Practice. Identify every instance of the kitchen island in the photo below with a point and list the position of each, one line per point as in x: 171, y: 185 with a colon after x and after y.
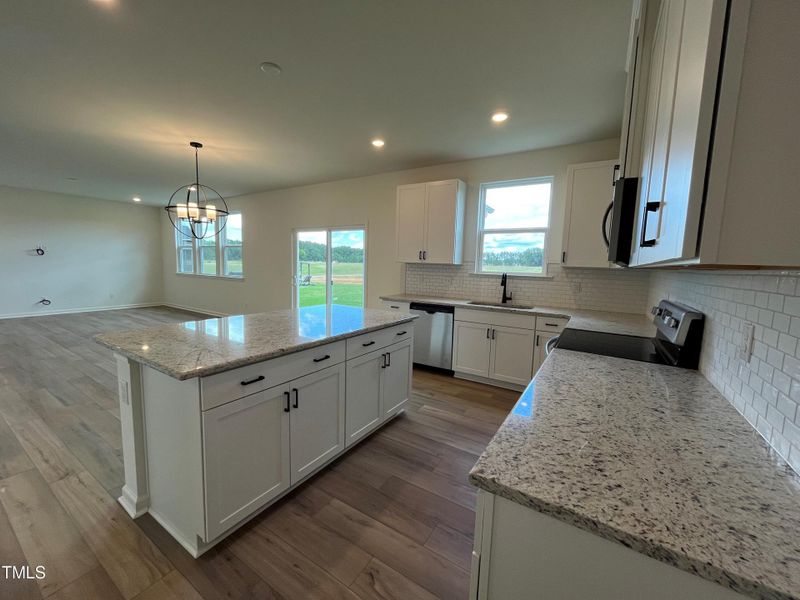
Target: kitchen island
x: 221, y: 417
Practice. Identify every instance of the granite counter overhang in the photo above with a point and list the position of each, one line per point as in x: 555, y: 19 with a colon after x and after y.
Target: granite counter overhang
x: 206, y: 347
x: 590, y: 320
x: 654, y: 458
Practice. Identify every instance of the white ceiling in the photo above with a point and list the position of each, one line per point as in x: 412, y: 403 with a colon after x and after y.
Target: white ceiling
x: 110, y: 92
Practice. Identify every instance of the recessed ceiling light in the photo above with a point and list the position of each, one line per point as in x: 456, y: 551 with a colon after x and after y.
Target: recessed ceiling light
x: 137, y: 199
x: 500, y: 116
x: 270, y: 68
x: 378, y: 143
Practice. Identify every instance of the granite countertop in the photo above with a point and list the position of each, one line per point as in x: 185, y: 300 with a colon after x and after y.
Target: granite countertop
x: 200, y: 348
x: 652, y: 457
x: 592, y: 320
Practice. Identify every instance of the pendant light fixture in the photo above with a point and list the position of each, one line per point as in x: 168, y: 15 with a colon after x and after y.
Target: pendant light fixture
x: 201, y: 212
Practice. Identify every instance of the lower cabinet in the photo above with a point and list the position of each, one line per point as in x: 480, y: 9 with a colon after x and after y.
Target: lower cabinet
x: 258, y: 446
x: 246, y: 455
x: 498, y: 352
x: 316, y: 420
x: 378, y: 386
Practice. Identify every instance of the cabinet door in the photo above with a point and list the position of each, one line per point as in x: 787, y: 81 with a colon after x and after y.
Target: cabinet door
x: 444, y: 222
x: 396, y: 379
x: 471, y: 348
x: 246, y: 457
x: 512, y: 355
x: 589, y: 192
x: 410, y: 222
x: 677, y: 128
x: 539, y: 353
x: 317, y: 419
x: 363, y: 412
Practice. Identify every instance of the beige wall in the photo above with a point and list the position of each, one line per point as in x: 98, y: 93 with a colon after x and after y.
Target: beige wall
x: 99, y: 254
x: 270, y: 218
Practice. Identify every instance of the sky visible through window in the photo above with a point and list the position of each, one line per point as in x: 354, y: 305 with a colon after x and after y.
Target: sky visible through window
x: 516, y: 207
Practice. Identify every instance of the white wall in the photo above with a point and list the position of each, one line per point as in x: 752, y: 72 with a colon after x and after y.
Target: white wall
x: 270, y: 218
x: 766, y: 390
x: 99, y: 254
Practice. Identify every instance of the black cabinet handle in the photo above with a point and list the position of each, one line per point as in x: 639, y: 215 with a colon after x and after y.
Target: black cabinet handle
x: 393, y: 306
x: 420, y: 254
x: 256, y: 380
x: 648, y: 208
x: 488, y: 332
x: 424, y: 255
x: 372, y: 343
x: 551, y: 324
x: 388, y: 359
x: 383, y: 361
x: 296, y: 397
x: 286, y: 408
x: 402, y: 332
x: 326, y: 357
x: 493, y: 332
x: 537, y: 341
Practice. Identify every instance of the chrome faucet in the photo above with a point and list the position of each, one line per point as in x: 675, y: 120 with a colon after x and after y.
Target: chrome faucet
x: 504, y: 284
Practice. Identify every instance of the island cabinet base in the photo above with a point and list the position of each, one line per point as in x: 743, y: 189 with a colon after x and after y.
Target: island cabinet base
x: 204, y: 456
x: 522, y: 553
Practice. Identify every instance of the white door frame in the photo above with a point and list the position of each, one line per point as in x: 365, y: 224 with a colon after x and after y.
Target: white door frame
x: 328, y: 261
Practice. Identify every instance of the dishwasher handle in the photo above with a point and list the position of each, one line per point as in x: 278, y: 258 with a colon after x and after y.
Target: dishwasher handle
x: 431, y: 309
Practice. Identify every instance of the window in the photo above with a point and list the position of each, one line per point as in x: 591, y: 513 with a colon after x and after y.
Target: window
x: 220, y: 255
x: 512, y: 226
x: 329, y: 267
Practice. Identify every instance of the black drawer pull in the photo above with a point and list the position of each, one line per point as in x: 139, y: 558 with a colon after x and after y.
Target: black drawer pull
x: 288, y: 395
x: 256, y: 380
x: 393, y: 306
x: 402, y: 332
x: 326, y: 357
x: 372, y: 343
x: 551, y: 324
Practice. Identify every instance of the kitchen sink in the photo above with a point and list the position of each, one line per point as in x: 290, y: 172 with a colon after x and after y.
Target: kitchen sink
x: 501, y: 305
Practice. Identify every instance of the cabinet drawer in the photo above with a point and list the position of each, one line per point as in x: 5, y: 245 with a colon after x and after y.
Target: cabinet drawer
x: 551, y: 324
x: 496, y: 317
x: 398, y: 306
x: 361, y: 344
x: 218, y: 389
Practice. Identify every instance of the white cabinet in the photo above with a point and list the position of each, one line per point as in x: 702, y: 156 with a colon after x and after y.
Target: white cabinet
x: 430, y: 222
x: 539, y: 352
x: 511, y: 357
x: 378, y: 387
x: 395, y: 305
x: 316, y: 420
x: 363, y: 395
x: 471, y: 348
x: 589, y: 194
x: 494, y: 346
x: 396, y: 379
x: 246, y: 452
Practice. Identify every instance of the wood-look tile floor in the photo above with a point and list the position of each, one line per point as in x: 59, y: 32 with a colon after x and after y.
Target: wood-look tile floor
x: 393, y: 518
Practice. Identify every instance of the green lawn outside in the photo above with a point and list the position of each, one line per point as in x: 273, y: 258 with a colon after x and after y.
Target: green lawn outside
x: 318, y: 269
x: 347, y: 294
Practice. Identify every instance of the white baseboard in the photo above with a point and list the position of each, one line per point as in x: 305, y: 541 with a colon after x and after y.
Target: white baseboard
x: 67, y: 311
x: 202, y: 311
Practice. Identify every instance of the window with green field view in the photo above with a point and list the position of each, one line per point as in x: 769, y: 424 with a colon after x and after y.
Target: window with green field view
x: 513, y: 223
x: 329, y: 267
x: 220, y: 255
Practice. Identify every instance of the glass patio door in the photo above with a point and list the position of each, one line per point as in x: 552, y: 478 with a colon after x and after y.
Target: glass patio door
x: 329, y: 267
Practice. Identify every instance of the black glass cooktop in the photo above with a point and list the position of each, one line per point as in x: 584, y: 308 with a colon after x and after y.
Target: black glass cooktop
x: 610, y: 344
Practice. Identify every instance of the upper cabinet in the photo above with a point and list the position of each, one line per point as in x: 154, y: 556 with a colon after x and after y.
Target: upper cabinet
x: 710, y: 132
x: 590, y: 188
x: 430, y: 222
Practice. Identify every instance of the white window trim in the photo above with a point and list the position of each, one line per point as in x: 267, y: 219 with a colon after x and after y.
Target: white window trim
x: 197, y: 262
x: 482, y: 215
x: 328, y: 261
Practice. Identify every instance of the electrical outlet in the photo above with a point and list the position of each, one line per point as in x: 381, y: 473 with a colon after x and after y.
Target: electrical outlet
x: 746, y: 349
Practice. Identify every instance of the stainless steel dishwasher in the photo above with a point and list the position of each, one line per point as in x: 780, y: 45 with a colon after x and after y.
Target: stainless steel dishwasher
x: 433, y: 335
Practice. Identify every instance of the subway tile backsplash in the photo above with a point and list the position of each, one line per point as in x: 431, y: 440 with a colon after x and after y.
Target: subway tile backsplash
x: 614, y: 290
x: 766, y: 390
